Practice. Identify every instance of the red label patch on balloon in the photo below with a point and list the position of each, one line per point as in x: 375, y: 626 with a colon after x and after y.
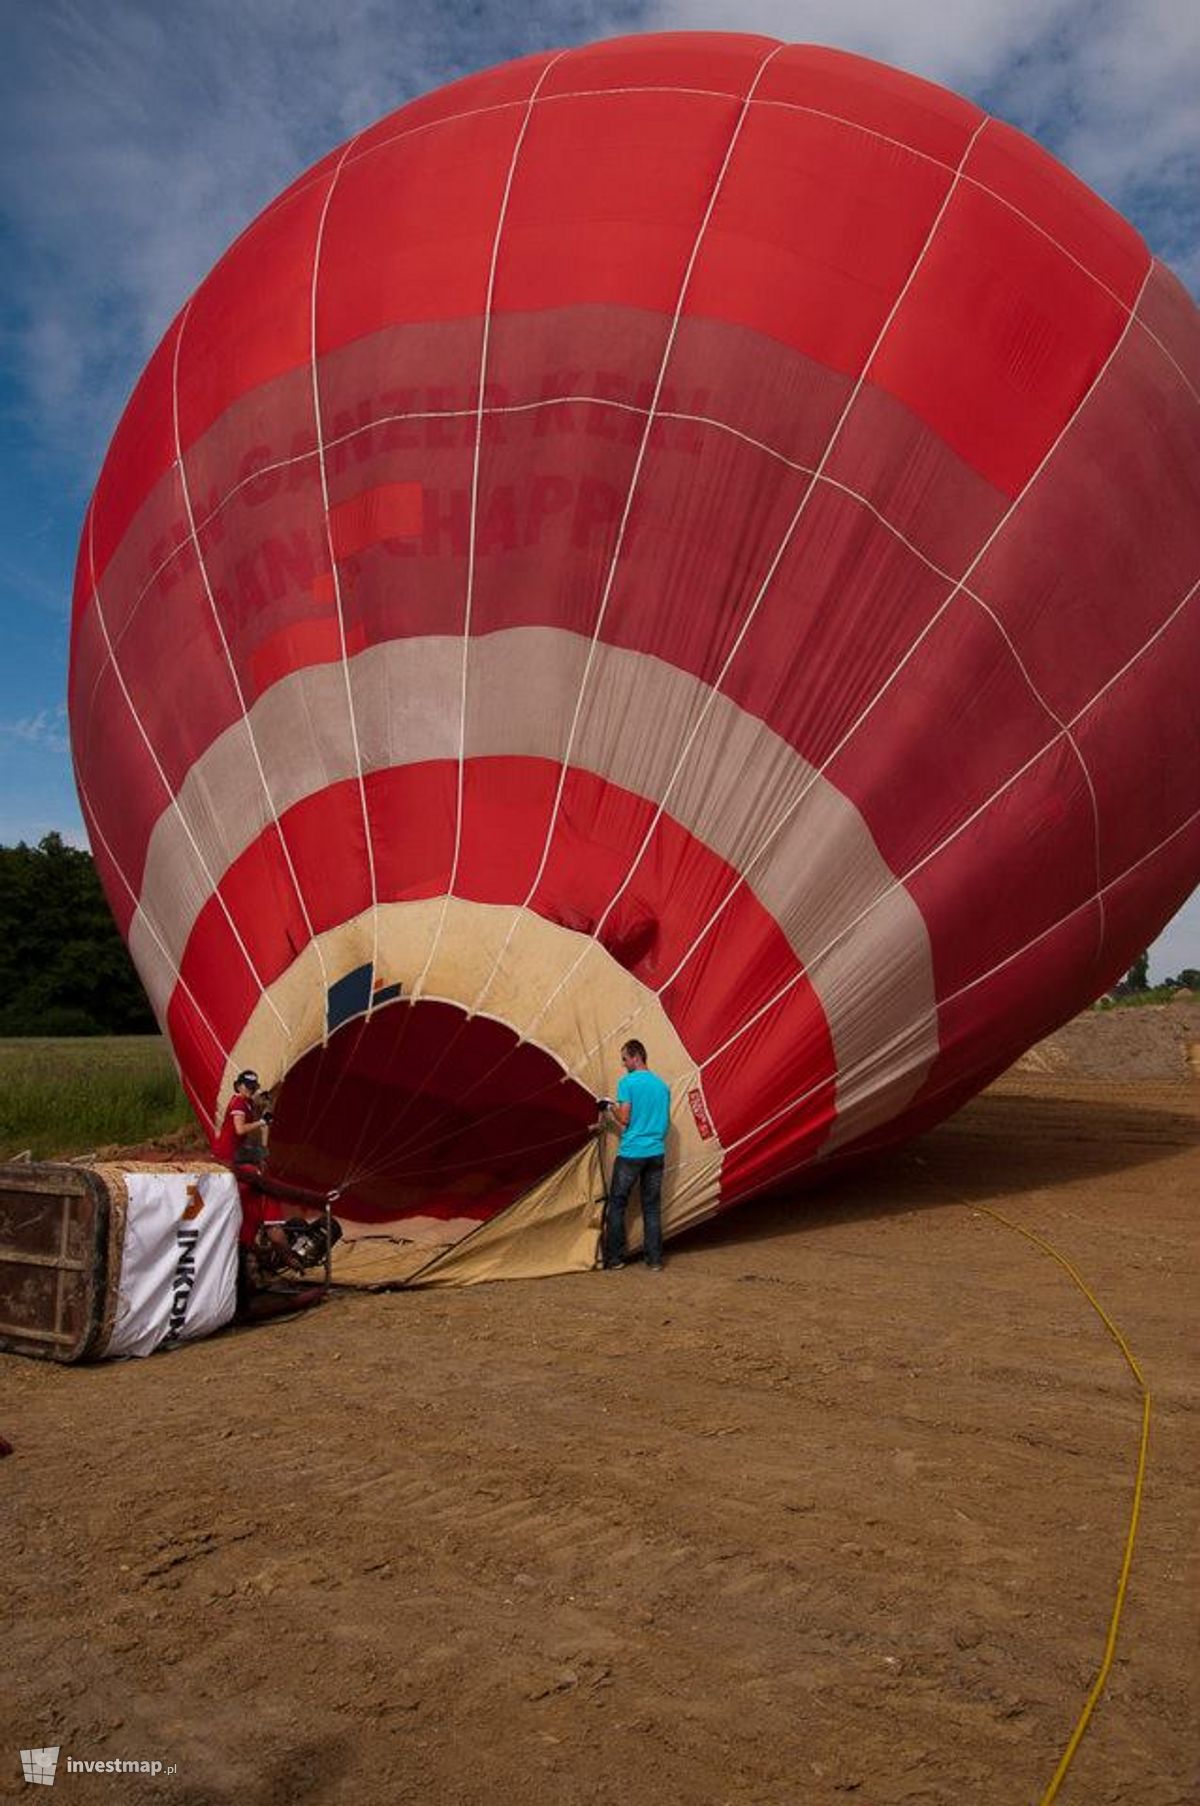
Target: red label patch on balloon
x: 390, y: 511
x: 700, y: 1112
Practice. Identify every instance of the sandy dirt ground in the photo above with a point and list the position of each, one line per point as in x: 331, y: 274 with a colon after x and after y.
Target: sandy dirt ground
x: 831, y: 1510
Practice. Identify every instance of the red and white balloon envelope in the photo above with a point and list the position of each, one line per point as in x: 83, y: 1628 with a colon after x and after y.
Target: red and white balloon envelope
x: 689, y: 538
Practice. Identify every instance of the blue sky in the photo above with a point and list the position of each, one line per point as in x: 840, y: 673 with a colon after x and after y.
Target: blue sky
x: 137, y: 137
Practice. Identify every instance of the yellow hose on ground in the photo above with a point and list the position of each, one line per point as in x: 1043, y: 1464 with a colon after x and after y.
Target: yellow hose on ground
x: 1110, y: 1646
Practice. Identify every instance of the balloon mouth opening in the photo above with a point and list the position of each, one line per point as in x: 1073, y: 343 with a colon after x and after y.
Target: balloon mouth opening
x: 427, y: 1120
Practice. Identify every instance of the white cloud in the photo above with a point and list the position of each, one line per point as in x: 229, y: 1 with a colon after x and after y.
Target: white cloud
x: 137, y: 140
x: 963, y: 44
x: 43, y: 728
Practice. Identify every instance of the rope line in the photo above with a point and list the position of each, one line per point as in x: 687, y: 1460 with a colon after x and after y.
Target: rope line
x: 417, y: 987
x: 174, y: 802
x: 198, y: 552
x: 397, y: 1159
x: 473, y: 534
x: 1114, y: 1622
x: 851, y: 731
x: 387, y: 1140
x: 780, y: 105
x: 318, y: 419
x: 564, y: 765
x: 715, y: 688
x: 631, y: 495
x: 1072, y: 742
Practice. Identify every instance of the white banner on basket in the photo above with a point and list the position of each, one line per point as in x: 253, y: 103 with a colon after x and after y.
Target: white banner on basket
x: 178, y: 1260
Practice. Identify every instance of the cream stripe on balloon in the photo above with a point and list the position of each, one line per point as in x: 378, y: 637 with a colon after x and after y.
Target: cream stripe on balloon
x: 743, y: 751
x: 614, y: 562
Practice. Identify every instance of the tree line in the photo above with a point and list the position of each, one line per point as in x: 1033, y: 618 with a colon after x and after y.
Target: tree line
x: 1137, y: 979
x: 64, y: 969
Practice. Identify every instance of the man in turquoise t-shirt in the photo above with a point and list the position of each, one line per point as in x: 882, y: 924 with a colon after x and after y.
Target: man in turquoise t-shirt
x: 643, y: 1111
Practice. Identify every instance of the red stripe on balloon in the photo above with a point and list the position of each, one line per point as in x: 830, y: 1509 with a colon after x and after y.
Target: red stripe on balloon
x: 201, y: 1062
x: 675, y: 890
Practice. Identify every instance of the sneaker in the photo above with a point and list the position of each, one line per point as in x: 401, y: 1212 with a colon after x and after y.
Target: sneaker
x: 654, y: 1266
x: 613, y: 1266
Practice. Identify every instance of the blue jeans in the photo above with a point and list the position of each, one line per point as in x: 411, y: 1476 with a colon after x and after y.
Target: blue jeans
x: 648, y: 1175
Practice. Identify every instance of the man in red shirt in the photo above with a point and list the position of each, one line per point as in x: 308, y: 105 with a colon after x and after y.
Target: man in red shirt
x: 241, y: 1144
x: 240, y: 1124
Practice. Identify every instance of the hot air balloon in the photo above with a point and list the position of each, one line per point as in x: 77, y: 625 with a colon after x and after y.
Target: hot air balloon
x: 692, y: 538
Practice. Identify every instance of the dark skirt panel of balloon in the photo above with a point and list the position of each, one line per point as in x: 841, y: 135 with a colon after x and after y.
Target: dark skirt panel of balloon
x: 420, y: 1110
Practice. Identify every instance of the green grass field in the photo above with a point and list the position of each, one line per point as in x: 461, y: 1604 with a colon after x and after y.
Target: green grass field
x: 66, y: 1097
